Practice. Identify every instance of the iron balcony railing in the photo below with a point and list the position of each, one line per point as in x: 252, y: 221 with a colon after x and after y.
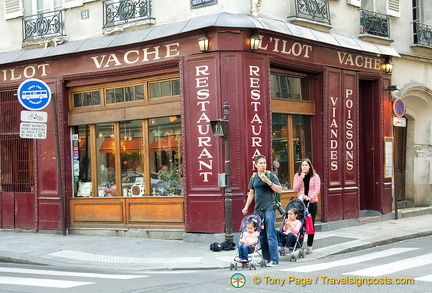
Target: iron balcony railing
x: 43, y: 25
x: 422, y: 34
x: 315, y: 10
x: 118, y: 12
x: 374, y: 23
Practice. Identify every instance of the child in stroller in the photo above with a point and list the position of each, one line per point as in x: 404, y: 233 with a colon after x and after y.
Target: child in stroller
x: 247, y: 241
x: 249, y: 232
x: 290, y: 230
x: 291, y: 233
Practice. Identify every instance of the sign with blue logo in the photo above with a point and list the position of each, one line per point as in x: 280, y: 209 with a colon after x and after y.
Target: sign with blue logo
x: 34, y: 94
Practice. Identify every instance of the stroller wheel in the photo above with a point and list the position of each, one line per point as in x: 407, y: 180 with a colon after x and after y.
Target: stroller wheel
x: 231, y: 266
x: 293, y: 258
x: 235, y: 266
x: 301, y: 253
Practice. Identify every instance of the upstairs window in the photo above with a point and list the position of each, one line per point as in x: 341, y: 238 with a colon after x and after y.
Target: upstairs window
x: 138, y: 91
x: 422, y: 22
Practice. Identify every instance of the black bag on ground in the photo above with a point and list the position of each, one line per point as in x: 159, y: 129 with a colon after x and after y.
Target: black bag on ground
x: 228, y: 245
x: 215, y: 246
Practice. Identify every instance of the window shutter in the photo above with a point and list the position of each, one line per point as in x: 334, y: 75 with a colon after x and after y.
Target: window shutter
x: 13, y: 9
x: 72, y: 3
x: 393, y: 8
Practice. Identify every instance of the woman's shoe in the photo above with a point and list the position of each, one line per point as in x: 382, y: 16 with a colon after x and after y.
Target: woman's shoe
x: 308, y: 250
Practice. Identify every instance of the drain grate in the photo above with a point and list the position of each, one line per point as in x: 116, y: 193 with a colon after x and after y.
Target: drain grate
x: 329, y: 241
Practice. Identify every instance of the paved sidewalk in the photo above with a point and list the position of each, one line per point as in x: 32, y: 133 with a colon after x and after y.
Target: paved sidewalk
x: 135, y: 254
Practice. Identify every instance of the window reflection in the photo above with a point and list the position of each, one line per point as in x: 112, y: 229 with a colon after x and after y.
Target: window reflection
x: 301, y: 138
x: 290, y: 88
x: 281, y: 159
x: 105, y: 161
x: 131, y: 157
x: 165, y: 156
x: 82, y: 161
x: 291, y: 141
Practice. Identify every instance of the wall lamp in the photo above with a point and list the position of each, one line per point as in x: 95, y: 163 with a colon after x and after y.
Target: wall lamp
x: 255, y: 41
x: 203, y: 42
x: 388, y: 65
x: 393, y: 88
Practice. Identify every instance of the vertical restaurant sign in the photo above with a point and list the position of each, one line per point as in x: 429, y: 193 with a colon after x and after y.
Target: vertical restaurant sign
x: 342, y: 126
x: 350, y: 127
x: 203, y: 108
x: 256, y: 107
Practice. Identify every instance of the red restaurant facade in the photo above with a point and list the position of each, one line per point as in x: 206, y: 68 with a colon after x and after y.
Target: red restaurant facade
x: 135, y: 107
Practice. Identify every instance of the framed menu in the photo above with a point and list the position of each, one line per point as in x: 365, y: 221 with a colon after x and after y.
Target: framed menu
x: 388, y: 157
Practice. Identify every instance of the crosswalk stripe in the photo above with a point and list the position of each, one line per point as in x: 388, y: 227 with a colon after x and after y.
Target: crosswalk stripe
x: 349, y: 261
x: 427, y: 278
x: 42, y: 282
x: 393, y: 267
x: 72, y: 274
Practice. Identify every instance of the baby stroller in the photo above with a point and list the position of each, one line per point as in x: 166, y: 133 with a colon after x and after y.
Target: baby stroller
x: 302, y: 211
x: 253, y: 251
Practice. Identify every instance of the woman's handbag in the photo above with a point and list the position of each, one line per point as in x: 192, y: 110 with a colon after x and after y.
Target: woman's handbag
x: 309, y: 223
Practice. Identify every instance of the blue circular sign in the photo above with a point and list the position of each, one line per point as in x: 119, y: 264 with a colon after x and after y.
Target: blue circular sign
x: 399, y: 107
x: 34, y: 94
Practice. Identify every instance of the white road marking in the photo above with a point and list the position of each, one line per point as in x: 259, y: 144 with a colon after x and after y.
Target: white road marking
x: 349, y: 261
x: 393, y: 267
x: 42, y: 282
x: 72, y: 274
x: 427, y: 278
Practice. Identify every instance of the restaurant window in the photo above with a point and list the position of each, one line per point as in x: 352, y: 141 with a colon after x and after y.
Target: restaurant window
x: 132, y: 157
x: 290, y: 88
x: 139, y: 91
x: 164, y: 89
x: 84, y: 99
x: 163, y: 157
x: 125, y: 94
x: 291, y: 125
x: 291, y: 140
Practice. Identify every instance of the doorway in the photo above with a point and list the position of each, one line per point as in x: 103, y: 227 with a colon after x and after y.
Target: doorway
x: 400, y: 137
x: 369, y: 144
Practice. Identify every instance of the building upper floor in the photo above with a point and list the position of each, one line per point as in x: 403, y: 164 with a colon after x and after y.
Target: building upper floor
x: 405, y: 25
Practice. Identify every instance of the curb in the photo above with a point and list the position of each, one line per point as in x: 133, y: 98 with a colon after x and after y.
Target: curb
x: 7, y: 259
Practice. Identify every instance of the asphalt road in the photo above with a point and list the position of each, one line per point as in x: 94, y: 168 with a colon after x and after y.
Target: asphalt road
x: 399, y: 267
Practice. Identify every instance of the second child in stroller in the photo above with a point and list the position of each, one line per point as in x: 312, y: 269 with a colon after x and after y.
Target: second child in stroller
x: 291, y: 228
x: 248, y: 241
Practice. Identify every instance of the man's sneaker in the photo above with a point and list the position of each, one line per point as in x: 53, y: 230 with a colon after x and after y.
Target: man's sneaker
x: 273, y: 264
